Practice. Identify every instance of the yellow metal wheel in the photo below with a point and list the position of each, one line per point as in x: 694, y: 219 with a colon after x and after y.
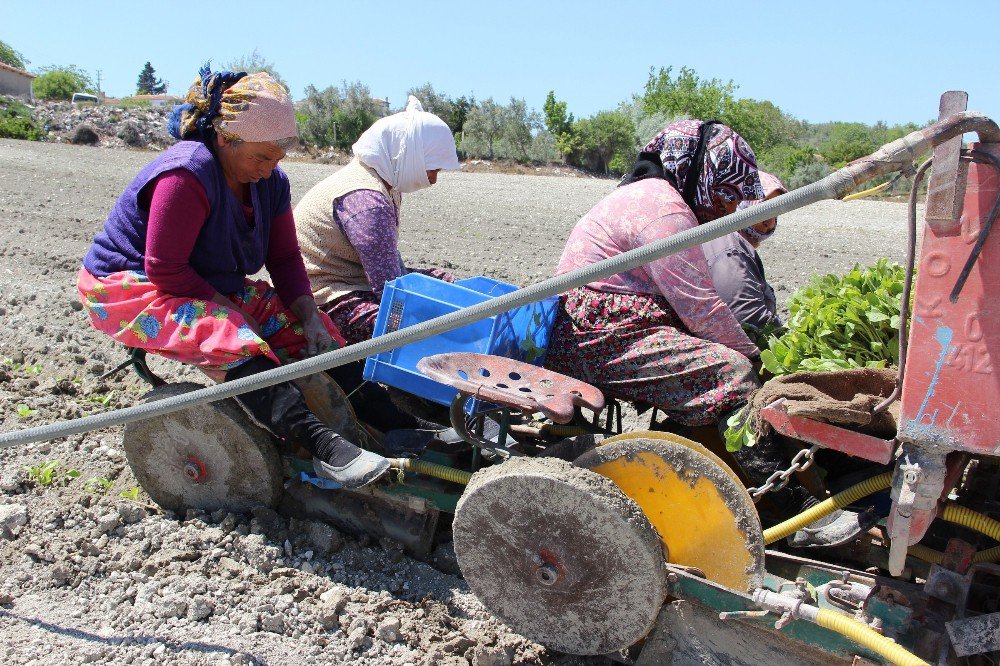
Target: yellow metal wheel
x: 701, y: 511
x: 676, y: 439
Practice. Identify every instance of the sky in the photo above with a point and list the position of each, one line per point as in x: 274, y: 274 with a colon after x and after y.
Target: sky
x: 818, y: 61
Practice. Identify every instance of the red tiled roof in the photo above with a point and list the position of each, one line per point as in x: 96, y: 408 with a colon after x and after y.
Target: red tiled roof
x: 4, y: 65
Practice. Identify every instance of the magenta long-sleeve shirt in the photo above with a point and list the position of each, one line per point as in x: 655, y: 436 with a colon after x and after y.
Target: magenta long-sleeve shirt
x: 178, y: 207
x: 641, y: 213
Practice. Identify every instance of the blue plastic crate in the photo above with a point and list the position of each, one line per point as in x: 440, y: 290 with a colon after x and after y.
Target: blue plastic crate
x: 522, y: 333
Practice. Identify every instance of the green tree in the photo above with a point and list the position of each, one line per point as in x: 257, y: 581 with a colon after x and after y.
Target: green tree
x: 559, y: 123
x: 61, y: 82
x: 519, y: 126
x: 357, y: 113
x: 254, y: 62
x: 606, y: 142
x: 12, y: 57
x: 460, y: 109
x: 336, y: 116
x: 317, y: 116
x: 486, y: 124
x: 147, y: 83
x: 762, y: 124
x: 785, y: 159
x: 847, y: 142
x: 686, y: 94
x: 433, y: 102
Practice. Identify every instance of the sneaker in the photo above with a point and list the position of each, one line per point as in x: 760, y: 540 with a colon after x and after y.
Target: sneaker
x: 836, y: 529
x: 359, y: 472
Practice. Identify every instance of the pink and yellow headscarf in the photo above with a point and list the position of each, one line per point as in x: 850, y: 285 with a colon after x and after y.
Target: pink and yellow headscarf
x: 237, y: 106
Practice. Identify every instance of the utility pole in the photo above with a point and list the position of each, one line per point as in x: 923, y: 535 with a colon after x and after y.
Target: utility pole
x: 100, y: 95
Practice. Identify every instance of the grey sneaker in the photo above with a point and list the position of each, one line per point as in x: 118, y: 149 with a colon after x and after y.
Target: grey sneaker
x: 836, y: 529
x: 361, y: 471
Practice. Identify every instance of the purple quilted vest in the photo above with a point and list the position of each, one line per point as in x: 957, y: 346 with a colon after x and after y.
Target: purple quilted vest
x: 227, y: 249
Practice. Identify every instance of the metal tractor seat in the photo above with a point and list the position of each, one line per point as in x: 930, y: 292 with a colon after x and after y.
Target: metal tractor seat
x: 513, y: 384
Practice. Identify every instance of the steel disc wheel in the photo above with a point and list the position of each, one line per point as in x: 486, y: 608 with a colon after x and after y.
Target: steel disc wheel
x: 210, y: 456
x: 560, y: 555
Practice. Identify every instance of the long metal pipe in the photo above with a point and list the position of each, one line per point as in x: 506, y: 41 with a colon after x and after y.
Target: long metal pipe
x: 891, y: 157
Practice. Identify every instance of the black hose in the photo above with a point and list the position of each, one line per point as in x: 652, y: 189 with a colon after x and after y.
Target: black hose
x: 904, y: 305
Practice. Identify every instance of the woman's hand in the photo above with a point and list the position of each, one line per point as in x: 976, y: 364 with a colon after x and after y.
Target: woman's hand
x: 250, y: 321
x: 318, y: 339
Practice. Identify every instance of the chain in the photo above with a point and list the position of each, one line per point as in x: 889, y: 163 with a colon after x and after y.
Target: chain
x: 802, y: 461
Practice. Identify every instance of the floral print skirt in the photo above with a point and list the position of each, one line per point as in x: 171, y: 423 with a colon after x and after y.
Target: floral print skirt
x: 634, y: 347
x: 129, y: 308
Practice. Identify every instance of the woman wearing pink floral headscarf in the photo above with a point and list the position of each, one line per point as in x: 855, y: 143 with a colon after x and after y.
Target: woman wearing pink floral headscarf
x: 660, y: 333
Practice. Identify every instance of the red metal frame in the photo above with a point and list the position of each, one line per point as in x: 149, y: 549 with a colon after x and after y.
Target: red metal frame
x: 951, y: 391
x: 826, y: 435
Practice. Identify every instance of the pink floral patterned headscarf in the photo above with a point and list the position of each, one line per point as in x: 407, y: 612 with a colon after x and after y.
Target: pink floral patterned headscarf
x: 729, y: 172
x: 239, y: 106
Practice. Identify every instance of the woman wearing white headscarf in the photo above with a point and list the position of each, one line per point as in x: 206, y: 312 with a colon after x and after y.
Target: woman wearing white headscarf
x: 348, y: 224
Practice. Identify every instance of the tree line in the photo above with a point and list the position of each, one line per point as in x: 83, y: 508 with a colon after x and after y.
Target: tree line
x: 797, y: 151
x: 607, y: 142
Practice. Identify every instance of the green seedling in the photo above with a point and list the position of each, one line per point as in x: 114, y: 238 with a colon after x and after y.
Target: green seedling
x: 23, y: 411
x: 35, y: 369
x: 98, y: 485
x: 836, y: 322
x: 841, y: 322
x: 99, y: 399
x: 132, y: 494
x: 51, y: 473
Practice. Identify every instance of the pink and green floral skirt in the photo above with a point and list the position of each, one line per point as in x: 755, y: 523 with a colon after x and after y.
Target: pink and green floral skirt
x: 130, y: 309
x: 634, y: 347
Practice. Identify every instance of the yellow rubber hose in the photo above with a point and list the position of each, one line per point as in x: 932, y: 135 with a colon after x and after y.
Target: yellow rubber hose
x: 867, y: 193
x: 966, y: 517
x: 431, y: 469
x: 926, y: 554
x: 868, y: 637
x: 827, y: 506
x: 988, y: 555
x: 953, y: 513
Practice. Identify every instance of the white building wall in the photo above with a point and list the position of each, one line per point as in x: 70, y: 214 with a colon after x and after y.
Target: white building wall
x: 14, y: 84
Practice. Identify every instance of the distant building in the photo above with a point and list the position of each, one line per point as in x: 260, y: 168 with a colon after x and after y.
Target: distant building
x: 15, y: 82
x: 383, y: 106
x: 159, y: 100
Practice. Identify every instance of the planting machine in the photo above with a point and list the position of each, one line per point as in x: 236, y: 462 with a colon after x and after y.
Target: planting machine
x: 646, y: 545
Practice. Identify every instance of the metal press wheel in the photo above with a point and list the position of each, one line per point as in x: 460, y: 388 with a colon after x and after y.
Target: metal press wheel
x: 209, y: 456
x: 560, y: 555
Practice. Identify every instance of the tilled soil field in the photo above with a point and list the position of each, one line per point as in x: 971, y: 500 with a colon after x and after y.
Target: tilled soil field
x: 92, y: 572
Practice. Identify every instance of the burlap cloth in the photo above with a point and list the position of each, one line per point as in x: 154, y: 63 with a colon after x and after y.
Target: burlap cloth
x: 844, y: 398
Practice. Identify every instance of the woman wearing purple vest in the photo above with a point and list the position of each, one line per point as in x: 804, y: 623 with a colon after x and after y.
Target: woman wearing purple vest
x: 169, y: 271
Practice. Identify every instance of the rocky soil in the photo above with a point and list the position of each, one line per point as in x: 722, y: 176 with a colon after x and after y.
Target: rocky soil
x: 91, y: 572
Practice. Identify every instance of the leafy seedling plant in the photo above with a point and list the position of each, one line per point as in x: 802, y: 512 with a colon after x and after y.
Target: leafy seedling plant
x: 24, y: 411
x: 835, y: 323
x: 100, y: 399
x: 98, y: 485
x: 51, y: 473
x: 132, y: 494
